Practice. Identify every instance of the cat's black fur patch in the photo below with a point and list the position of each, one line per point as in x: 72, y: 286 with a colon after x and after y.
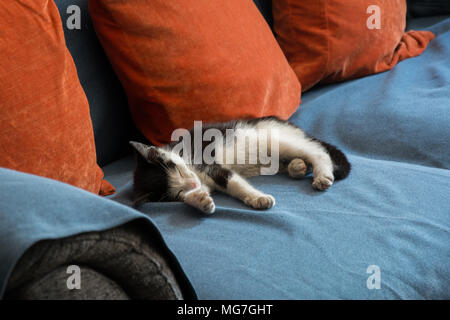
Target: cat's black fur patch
x: 221, y: 126
x: 220, y: 175
x: 340, y: 163
x: 150, y: 181
x: 342, y: 166
x: 273, y: 118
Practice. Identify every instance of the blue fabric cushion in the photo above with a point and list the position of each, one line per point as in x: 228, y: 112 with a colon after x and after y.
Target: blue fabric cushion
x: 34, y: 208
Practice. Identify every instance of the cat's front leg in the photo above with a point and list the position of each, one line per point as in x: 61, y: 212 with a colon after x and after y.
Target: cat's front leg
x: 239, y: 188
x: 230, y: 182
x: 199, y: 198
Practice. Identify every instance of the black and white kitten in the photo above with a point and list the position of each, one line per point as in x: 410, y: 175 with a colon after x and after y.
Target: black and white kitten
x: 163, y: 175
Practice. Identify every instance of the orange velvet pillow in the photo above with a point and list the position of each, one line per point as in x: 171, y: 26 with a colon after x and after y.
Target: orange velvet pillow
x: 181, y: 61
x: 329, y: 41
x: 45, y: 126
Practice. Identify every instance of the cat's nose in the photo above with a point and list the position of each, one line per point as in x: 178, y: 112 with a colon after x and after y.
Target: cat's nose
x: 195, y: 185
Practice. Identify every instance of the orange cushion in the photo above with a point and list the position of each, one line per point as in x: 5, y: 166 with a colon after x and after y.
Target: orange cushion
x: 329, y: 41
x: 181, y: 61
x: 45, y: 126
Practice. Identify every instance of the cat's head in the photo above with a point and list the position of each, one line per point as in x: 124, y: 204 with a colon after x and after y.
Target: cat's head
x: 160, y: 175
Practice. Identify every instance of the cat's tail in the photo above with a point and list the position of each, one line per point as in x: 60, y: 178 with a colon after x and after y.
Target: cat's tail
x: 341, y: 166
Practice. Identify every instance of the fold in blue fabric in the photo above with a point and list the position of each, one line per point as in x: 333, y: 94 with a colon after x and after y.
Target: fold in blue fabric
x: 33, y: 208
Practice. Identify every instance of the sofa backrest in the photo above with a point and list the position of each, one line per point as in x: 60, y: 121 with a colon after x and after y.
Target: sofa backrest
x: 265, y: 7
x: 111, y: 119
x: 113, y: 126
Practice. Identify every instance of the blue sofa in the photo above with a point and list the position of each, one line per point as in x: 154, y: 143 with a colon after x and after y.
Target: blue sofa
x: 389, y: 219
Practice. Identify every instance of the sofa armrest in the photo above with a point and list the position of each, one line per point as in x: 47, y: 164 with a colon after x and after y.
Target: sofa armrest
x: 119, y: 263
x: 46, y: 226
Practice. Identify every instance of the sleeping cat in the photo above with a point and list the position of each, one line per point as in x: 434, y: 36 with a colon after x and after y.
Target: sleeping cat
x: 165, y: 175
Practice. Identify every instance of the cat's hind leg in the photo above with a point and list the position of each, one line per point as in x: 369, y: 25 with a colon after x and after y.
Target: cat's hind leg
x: 297, y: 168
x: 299, y: 146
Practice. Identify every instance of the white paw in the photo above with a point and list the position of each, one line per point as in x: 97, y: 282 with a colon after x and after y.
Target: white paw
x: 322, y: 182
x: 297, y: 168
x: 265, y: 201
x: 201, y: 200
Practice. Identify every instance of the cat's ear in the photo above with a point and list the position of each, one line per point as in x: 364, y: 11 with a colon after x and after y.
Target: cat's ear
x: 149, y: 153
x: 153, y: 154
